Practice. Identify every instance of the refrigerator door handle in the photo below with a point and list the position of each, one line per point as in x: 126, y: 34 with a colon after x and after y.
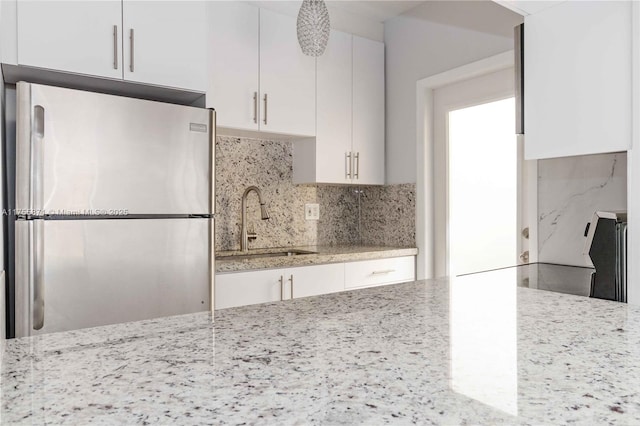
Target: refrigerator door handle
x: 36, y: 273
x: 36, y: 162
x: 212, y: 208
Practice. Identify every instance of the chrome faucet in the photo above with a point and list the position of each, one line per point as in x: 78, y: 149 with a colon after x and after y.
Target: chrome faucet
x: 246, y: 236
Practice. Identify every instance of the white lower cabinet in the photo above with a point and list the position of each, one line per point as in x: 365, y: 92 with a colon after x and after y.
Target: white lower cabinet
x: 369, y: 273
x: 308, y: 281
x: 249, y: 288
x: 272, y: 285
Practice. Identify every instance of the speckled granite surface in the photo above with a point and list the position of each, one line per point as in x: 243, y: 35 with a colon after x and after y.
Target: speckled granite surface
x: 225, y: 261
x: 477, y: 350
x: 369, y: 215
x: 388, y: 215
x: 268, y: 165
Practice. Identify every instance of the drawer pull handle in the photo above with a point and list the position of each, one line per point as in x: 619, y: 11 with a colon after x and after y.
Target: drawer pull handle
x: 291, y: 281
x: 386, y: 271
x: 281, y: 287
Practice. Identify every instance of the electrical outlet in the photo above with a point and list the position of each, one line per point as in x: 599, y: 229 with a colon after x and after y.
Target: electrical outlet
x: 312, y: 211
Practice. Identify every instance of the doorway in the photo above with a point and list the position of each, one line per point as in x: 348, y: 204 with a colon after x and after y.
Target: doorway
x: 478, y: 176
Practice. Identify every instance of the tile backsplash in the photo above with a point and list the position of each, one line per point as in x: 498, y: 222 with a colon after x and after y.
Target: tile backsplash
x: 570, y: 190
x: 369, y: 215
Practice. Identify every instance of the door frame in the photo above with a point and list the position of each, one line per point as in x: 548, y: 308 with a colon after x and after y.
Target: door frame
x: 472, y: 93
x: 425, y: 189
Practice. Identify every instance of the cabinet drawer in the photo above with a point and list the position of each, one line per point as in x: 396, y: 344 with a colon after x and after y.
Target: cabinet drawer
x: 380, y: 271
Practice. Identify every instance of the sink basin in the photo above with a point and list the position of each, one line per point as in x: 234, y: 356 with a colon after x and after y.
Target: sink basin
x: 242, y: 256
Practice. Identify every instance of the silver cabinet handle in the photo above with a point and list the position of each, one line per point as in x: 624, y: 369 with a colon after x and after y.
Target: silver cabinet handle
x: 131, y: 47
x: 115, y: 47
x: 255, y: 107
x: 356, y: 174
x: 519, y: 77
x: 347, y: 165
x: 386, y: 271
x: 265, y: 108
x: 38, y: 274
x: 281, y: 287
x: 291, y: 281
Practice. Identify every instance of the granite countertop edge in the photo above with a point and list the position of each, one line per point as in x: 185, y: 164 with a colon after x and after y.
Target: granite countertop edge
x: 321, y: 255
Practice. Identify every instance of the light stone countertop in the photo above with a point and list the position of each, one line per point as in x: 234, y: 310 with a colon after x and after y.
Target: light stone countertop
x: 225, y: 261
x: 474, y: 350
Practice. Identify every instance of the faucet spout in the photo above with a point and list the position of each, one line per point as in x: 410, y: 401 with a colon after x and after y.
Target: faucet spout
x: 264, y: 214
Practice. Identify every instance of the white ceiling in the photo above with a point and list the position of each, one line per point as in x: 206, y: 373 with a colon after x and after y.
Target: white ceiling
x: 375, y: 10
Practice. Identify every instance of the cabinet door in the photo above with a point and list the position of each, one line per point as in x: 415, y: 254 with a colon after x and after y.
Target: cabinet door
x: 233, y: 64
x: 248, y: 288
x: 368, y: 111
x: 82, y: 37
x: 308, y: 281
x: 333, y: 132
x: 577, y: 71
x: 371, y: 273
x: 287, y: 78
x: 165, y: 43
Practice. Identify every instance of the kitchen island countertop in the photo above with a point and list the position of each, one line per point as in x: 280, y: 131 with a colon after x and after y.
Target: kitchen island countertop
x: 474, y: 350
x: 226, y: 262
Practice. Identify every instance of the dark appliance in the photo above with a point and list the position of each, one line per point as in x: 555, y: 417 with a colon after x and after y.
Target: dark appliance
x: 606, y: 248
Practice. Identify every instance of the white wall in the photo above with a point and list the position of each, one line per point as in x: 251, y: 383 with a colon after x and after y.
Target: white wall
x: 427, y: 40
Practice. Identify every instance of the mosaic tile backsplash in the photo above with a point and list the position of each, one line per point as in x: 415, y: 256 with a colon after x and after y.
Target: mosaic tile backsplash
x: 369, y: 215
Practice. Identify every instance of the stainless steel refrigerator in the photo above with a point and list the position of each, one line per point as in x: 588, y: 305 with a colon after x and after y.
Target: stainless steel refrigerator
x: 114, y: 211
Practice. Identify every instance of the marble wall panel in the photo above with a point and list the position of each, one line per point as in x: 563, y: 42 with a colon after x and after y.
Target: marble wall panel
x: 570, y: 190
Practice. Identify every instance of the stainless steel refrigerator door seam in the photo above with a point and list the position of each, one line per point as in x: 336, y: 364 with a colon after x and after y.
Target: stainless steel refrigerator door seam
x: 115, y: 47
x: 117, y: 217
x: 131, y: 47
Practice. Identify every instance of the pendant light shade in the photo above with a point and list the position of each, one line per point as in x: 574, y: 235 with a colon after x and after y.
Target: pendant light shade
x: 313, y: 27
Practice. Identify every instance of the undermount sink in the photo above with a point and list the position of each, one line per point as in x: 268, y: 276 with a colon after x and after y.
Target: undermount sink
x: 243, y: 255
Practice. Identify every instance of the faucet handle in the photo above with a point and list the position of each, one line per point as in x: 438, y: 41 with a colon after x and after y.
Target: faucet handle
x: 251, y: 233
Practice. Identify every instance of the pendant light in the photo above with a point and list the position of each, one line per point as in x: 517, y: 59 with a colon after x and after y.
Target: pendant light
x: 313, y: 27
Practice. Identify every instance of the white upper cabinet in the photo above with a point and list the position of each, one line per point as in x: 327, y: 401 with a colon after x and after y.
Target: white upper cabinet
x: 368, y: 111
x: 334, y: 121
x: 259, y: 79
x: 155, y: 42
x: 577, y: 74
x: 349, y: 144
x: 287, y: 78
x: 233, y: 64
x: 82, y: 37
x: 165, y: 43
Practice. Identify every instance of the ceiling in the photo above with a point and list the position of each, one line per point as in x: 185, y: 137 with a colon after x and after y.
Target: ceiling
x: 375, y: 10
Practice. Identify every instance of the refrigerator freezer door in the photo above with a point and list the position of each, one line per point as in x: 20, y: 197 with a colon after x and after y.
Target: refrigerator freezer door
x: 85, y: 273
x: 86, y: 153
